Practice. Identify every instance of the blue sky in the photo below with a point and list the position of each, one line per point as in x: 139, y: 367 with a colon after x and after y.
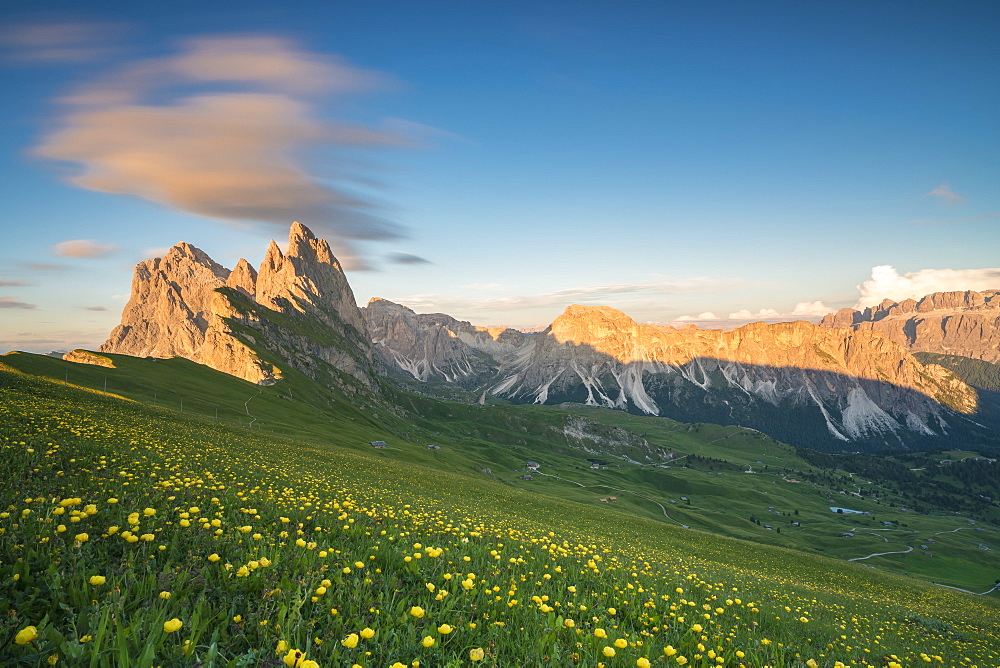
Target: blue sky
x: 707, y: 162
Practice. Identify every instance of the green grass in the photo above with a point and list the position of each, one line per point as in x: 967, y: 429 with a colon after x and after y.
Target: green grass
x: 347, y: 503
x: 501, y: 438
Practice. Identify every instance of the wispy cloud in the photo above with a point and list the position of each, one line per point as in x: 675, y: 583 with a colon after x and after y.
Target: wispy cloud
x: 219, y: 129
x: 87, y: 248
x: 9, y: 283
x: 945, y: 193
x: 811, y: 311
x: 887, y: 283
x: 95, y: 308
x: 10, y: 302
x: 591, y: 295
x: 44, y: 266
x: 59, y: 42
x: 402, y: 257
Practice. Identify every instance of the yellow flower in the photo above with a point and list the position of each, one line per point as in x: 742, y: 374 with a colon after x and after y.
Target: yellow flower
x: 476, y: 654
x: 149, y: 512
x: 172, y: 625
x: 367, y: 633
x: 621, y: 643
x: 53, y: 659
x: 642, y: 662
x: 26, y: 635
x: 682, y: 660
x: 81, y: 538
x: 97, y: 580
x: 350, y: 641
x: 697, y: 628
x: 669, y: 650
x: 612, y: 611
x: 600, y: 633
x: 428, y: 641
x: 281, y: 648
x: 294, y: 658
x: 608, y: 651
x: 417, y: 611
x: 445, y: 629
x: 213, y: 557
x: 164, y: 595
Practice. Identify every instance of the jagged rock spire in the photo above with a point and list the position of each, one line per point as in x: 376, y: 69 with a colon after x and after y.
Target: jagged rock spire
x: 307, y: 278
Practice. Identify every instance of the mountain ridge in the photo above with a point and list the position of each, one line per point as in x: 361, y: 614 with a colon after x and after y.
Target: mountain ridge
x: 825, y: 386
x: 964, y: 323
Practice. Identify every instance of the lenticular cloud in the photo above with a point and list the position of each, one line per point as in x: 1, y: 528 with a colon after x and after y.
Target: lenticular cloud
x: 219, y: 130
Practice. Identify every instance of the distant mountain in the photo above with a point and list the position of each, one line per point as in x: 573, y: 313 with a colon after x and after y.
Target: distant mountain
x: 795, y: 381
x: 949, y: 323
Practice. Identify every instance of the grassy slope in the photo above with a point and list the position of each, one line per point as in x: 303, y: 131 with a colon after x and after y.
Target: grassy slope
x: 502, y: 438
x: 58, y: 442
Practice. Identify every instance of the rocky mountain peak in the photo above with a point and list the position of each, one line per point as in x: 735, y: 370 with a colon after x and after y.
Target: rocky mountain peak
x: 964, y: 322
x: 178, y: 309
x: 243, y: 278
x: 307, y: 278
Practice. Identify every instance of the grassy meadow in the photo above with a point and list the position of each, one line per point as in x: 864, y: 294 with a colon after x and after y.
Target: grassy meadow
x: 141, y: 535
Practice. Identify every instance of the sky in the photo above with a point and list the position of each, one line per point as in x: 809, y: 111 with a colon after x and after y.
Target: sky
x: 692, y: 161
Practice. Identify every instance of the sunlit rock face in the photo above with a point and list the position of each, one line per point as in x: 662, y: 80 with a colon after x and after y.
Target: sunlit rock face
x: 187, y: 305
x: 170, y: 307
x: 847, y: 386
x: 953, y: 323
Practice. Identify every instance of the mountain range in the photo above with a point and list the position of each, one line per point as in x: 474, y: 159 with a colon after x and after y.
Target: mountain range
x: 850, y: 383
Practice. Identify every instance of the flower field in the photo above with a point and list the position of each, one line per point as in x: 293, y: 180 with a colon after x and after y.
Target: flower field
x: 136, y: 536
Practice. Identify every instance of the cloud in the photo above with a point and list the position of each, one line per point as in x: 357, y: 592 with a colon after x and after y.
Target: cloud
x: 59, y: 42
x: 219, y: 130
x: 83, y: 248
x: 44, y: 266
x: 591, y: 294
x: 95, y: 308
x: 811, y: 311
x: 816, y: 309
x: 945, y: 193
x: 887, y: 283
x: 401, y: 257
x: 10, y: 302
x: 6, y: 283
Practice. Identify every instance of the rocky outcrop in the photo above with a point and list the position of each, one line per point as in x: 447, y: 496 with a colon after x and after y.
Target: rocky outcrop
x: 953, y: 323
x: 81, y: 356
x: 187, y: 305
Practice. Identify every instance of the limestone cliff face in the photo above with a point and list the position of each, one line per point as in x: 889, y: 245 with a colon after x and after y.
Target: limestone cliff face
x: 185, y: 304
x: 954, y: 323
x: 436, y: 346
x: 857, y: 386
x: 171, y: 305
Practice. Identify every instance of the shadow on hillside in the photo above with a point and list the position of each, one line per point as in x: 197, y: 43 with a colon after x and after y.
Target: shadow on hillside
x: 811, y: 407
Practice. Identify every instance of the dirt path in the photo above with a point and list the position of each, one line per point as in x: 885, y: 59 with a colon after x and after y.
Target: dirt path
x: 880, y: 554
